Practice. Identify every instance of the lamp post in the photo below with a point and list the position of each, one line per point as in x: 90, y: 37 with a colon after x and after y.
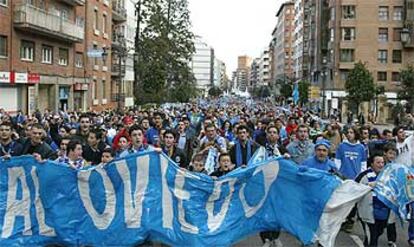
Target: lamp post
x: 405, y: 35
x: 121, y: 54
x: 323, y: 74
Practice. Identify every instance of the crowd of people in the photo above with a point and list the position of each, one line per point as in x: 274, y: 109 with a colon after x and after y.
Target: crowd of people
x: 234, y: 130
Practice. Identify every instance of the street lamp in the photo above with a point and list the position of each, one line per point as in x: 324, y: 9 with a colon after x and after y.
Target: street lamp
x: 405, y: 35
x: 323, y: 74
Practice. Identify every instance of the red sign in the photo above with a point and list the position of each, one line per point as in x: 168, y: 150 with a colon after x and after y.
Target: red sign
x: 33, y: 78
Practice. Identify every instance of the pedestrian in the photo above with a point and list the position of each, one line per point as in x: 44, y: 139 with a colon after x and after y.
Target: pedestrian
x: 301, y: 148
x: 321, y: 159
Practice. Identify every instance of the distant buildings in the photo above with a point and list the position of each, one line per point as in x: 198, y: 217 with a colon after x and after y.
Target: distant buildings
x: 241, y: 77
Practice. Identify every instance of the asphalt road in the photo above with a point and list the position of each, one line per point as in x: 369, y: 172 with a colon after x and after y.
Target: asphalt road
x: 343, y: 239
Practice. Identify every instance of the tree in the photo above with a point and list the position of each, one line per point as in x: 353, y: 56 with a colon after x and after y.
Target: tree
x: 214, y: 92
x: 360, y: 86
x: 303, y: 91
x: 407, y: 86
x: 286, y: 90
x: 165, y: 48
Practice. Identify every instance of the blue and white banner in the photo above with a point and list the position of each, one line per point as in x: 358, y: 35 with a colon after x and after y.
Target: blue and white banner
x: 395, y: 188
x: 148, y: 197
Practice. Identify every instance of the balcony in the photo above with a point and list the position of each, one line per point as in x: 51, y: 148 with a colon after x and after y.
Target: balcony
x: 119, y: 13
x: 115, y: 69
x: 31, y: 19
x: 118, y: 42
x: 74, y: 2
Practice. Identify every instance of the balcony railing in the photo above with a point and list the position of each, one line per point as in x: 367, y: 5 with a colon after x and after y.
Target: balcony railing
x: 28, y: 17
x: 115, y: 69
x: 119, y: 13
x: 74, y: 2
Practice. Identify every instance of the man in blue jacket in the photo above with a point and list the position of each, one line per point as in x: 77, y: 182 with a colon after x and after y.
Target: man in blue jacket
x: 321, y: 159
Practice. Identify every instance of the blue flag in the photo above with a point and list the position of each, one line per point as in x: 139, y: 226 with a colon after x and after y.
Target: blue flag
x: 395, y: 188
x: 148, y: 197
x: 295, y: 93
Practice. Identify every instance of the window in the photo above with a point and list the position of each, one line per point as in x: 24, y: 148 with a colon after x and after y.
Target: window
x: 398, y: 13
x: 396, y: 36
x: 80, y: 21
x: 3, y: 2
x: 348, y: 12
x: 3, y: 46
x: 347, y: 55
x: 397, y: 56
x: 47, y: 54
x: 348, y: 33
x: 382, y: 56
x: 95, y: 19
x: 104, y: 24
x: 95, y: 89
x: 383, y: 35
x: 332, y: 35
x: 383, y: 13
x: 103, y: 89
x: 344, y: 74
x: 95, y: 59
x: 382, y: 76
x: 395, y: 76
x: 63, y: 56
x: 27, y: 50
x: 332, y: 14
x: 79, y: 60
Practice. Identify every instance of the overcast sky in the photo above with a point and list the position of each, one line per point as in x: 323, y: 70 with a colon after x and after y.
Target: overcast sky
x: 234, y: 27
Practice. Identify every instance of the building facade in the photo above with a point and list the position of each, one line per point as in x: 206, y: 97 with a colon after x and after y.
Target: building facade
x: 264, y: 68
x: 41, y: 54
x: 202, y: 65
x: 242, y: 75
x: 368, y: 31
x: 283, y: 35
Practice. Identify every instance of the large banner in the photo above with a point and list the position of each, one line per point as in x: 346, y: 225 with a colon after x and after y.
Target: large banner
x: 395, y: 188
x: 148, y: 197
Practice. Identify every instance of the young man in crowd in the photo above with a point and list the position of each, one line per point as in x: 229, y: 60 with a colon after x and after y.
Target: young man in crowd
x: 153, y: 134
x: 244, y: 148
x: 93, y: 149
x: 137, y: 142
x: 35, y: 145
x: 225, y: 166
x: 301, y: 148
x: 171, y: 150
x: 8, y: 146
x: 74, y: 157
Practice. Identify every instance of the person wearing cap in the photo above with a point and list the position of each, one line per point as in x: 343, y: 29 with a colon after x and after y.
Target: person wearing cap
x: 321, y: 159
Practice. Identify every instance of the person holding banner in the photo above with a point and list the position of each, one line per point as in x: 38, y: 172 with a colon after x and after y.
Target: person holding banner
x: 35, y: 145
x: 321, y: 159
x: 374, y: 214
x: 273, y: 146
x: 74, y: 157
x: 8, y: 147
x: 225, y: 166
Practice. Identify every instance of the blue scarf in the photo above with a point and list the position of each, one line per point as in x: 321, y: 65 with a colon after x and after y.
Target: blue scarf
x: 239, y: 158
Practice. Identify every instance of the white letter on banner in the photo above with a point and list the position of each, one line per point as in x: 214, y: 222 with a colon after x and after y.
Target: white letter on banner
x: 101, y: 221
x: 133, y: 204
x: 270, y: 172
x: 214, y: 221
x: 167, y: 201
x: 44, y: 229
x: 182, y: 195
x: 16, y: 207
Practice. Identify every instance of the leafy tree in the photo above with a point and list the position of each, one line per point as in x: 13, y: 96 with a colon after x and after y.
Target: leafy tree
x: 286, y: 90
x: 214, y: 92
x: 164, y: 50
x: 407, y: 86
x: 359, y: 86
x: 303, y: 91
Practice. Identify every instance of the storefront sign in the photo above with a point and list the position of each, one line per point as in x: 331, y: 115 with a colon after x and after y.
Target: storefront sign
x: 4, y: 77
x: 33, y: 78
x: 20, y: 77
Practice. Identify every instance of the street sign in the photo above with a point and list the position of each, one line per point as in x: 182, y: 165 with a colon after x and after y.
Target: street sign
x: 95, y: 53
x: 314, y: 92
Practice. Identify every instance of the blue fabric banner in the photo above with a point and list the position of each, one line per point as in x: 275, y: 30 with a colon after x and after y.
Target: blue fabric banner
x: 395, y: 188
x: 148, y: 197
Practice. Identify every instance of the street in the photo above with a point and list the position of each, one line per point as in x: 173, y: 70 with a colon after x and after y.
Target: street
x: 343, y: 239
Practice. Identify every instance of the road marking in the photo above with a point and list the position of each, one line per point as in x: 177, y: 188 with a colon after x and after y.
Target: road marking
x: 357, y: 240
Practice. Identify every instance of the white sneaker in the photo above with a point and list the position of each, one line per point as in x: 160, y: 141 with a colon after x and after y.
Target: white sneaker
x: 277, y: 243
x: 267, y: 243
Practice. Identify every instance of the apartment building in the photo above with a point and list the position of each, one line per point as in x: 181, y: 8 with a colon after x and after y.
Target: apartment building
x: 242, y: 77
x: 369, y: 31
x: 202, y: 65
x: 41, y: 54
